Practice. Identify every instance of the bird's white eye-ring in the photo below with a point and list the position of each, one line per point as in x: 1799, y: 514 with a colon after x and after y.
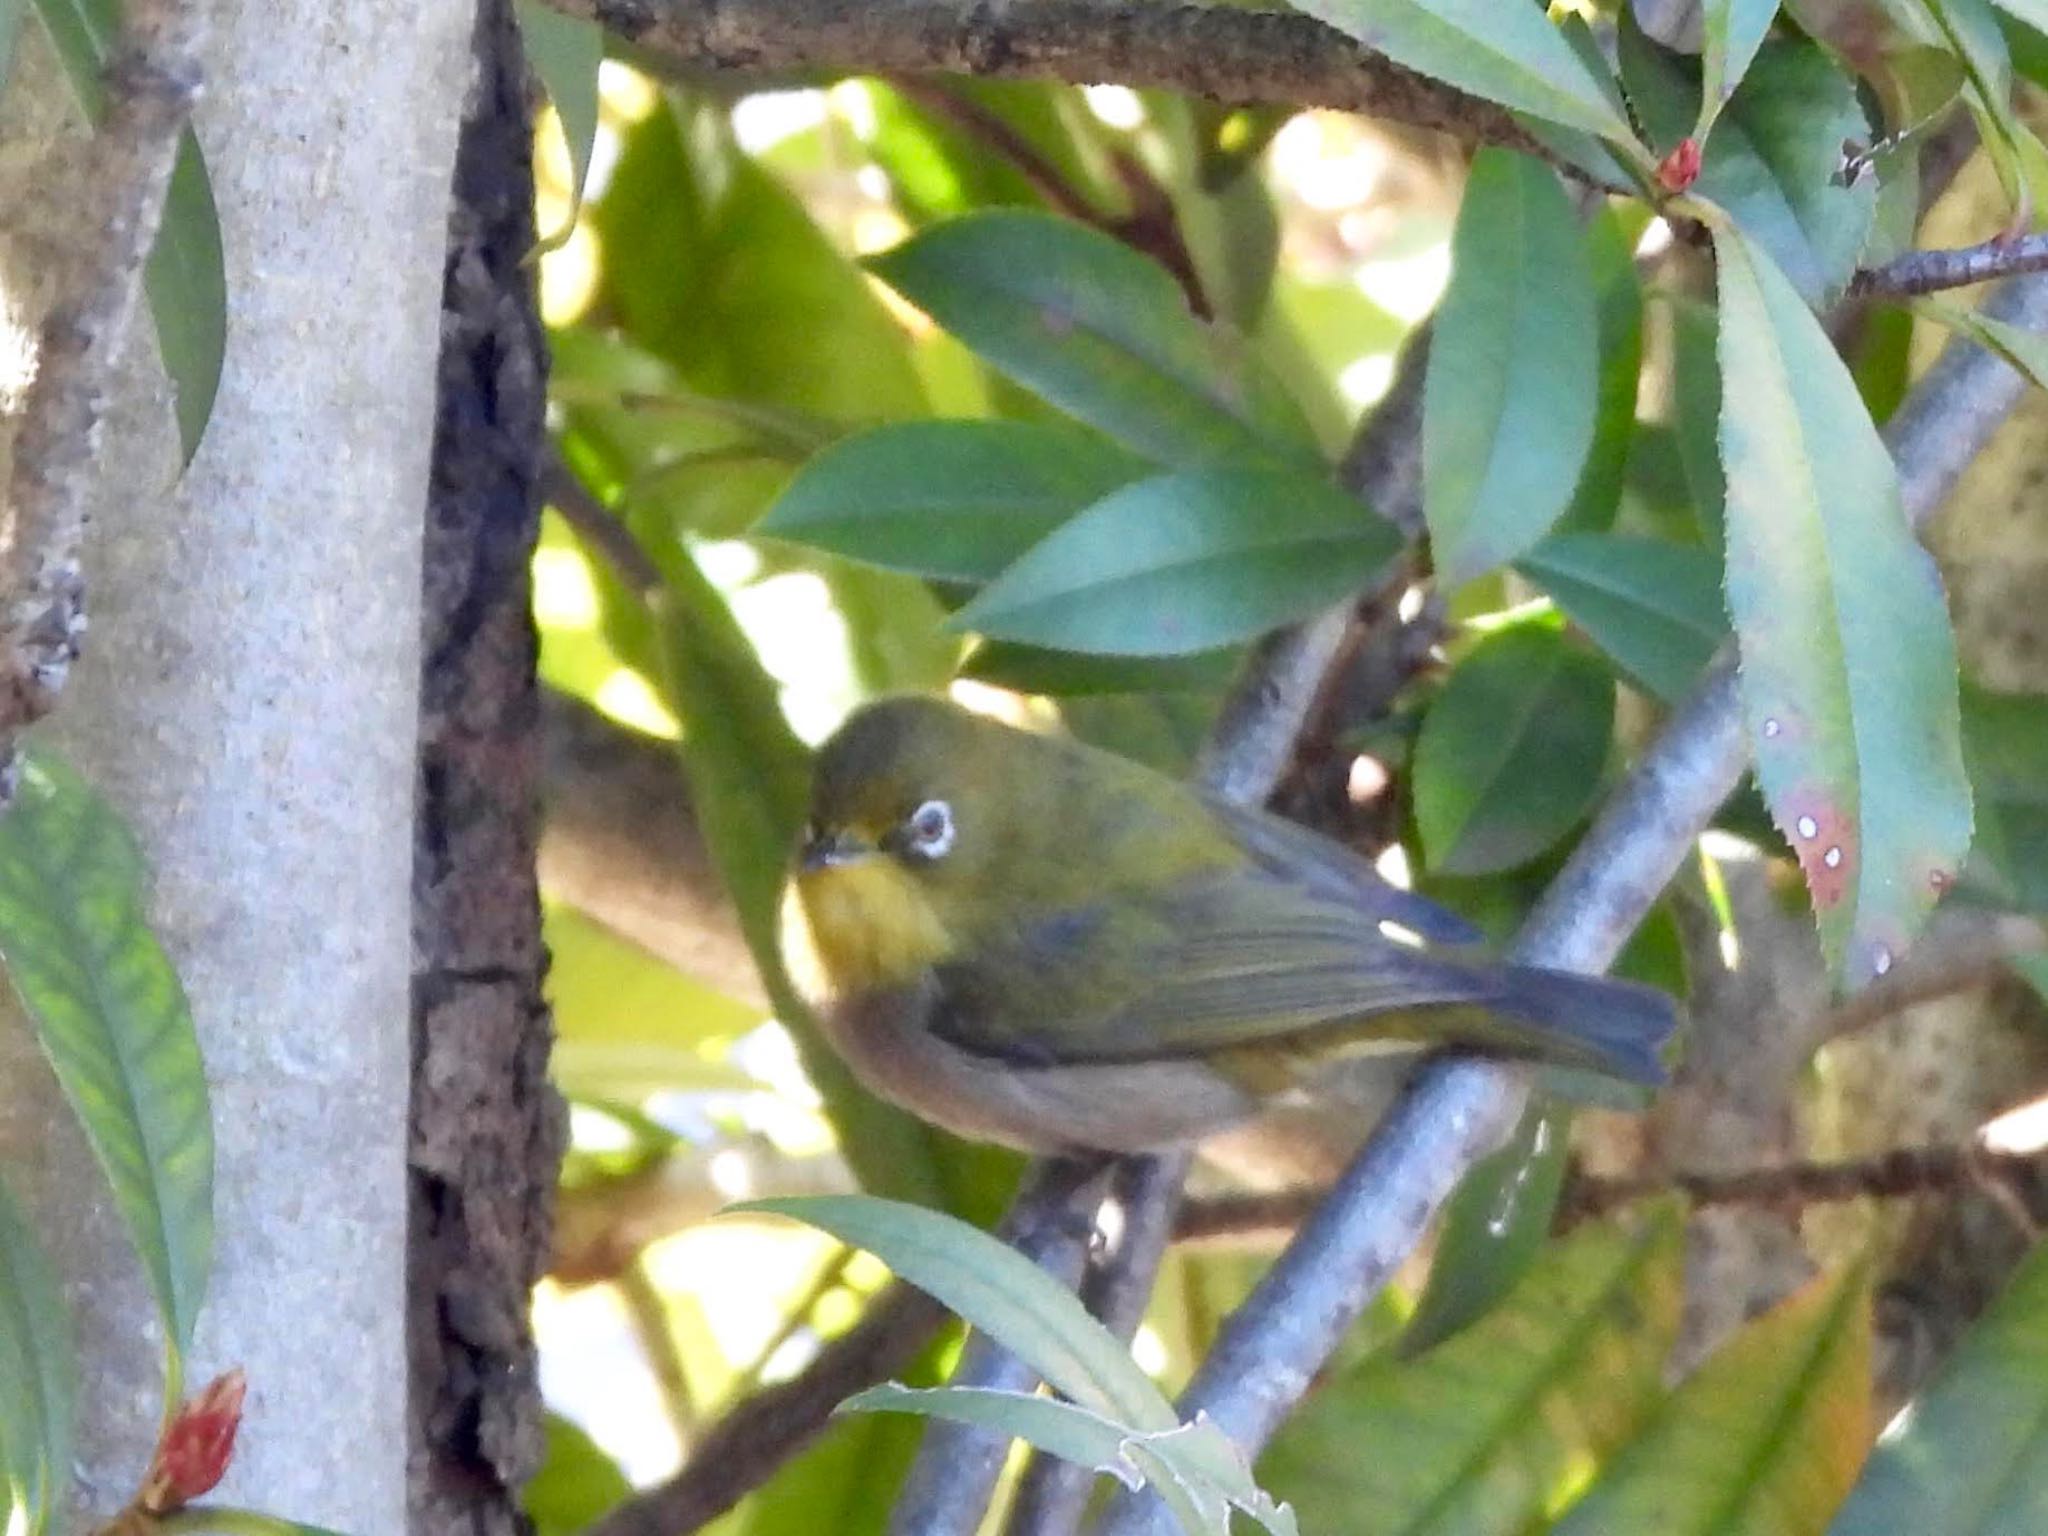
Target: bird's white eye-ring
x: 928, y: 830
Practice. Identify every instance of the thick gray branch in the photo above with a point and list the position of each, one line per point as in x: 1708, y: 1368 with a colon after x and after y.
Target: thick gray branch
x: 1224, y: 54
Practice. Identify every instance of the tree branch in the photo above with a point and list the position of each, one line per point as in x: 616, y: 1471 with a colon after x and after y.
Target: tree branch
x: 743, y: 1449
x: 152, y: 82
x: 1902, y: 1172
x: 1224, y: 54
x: 1458, y: 1110
x: 1919, y: 272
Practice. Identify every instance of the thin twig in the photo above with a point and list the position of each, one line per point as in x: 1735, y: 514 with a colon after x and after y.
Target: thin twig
x: 152, y: 81
x: 1152, y: 224
x: 606, y: 531
x: 1458, y: 1110
x: 1053, y: 1494
x: 1897, y: 1174
x: 1223, y: 53
x: 743, y: 1449
x: 1900, y: 1172
x: 1919, y: 272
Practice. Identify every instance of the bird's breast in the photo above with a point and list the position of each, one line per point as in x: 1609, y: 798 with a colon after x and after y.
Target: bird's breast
x: 860, y: 927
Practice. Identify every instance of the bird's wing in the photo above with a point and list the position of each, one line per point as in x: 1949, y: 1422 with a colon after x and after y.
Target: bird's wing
x: 1238, y: 959
x: 1334, y: 872
x: 1212, y: 962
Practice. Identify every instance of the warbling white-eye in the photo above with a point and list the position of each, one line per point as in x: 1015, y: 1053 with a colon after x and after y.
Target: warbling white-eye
x: 1030, y: 941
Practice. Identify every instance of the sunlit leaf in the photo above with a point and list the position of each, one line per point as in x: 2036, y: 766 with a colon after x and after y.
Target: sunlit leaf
x: 110, y: 1014
x: 628, y: 1025
x: 187, y: 276
x: 1509, y: 402
x: 714, y: 266
x: 1102, y: 333
x: 38, y: 1378
x: 576, y: 1483
x: 957, y: 500
x: 1764, y: 1439
x: 1187, y: 562
x: 1653, y: 605
x: 1848, y: 662
x: 997, y: 1290
x: 1504, y: 52
x: 1731, y: 31
x: 1478, y: 1436
x: 1511, y: 751
x: 1969, y: 1455
x: 565, y: 52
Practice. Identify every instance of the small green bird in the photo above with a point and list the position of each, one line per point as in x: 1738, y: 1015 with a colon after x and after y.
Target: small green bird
x: 1029, y: 941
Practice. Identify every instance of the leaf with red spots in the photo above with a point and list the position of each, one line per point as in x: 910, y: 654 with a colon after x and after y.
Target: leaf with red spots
x: 1848, y: 661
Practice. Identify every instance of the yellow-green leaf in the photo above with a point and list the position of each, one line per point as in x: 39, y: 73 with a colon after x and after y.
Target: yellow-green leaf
x: 1762, y: 1441
x: 1483, y: 1435
x: 38, y: 1379
x: 111, y: 1015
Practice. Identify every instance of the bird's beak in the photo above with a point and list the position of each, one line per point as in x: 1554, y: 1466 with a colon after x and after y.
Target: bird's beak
x: 830, y: 848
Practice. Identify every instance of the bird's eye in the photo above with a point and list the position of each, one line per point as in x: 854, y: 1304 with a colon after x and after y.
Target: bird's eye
x: 928, y: 830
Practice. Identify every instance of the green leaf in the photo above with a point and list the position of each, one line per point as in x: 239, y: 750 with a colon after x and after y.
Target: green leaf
x: 1763, y: 1440
x: 1969, y: 1455
x: 1510, y: 397
x: 997, y: 1290
x: 1476, y: 1437
x: 577, y: 1482
x: 1032, y: 669
x: 1618, y: 294
x: 1187, y: 562
x: 1696, y: 414
x: 565, y: 52
x: 38, y: 1378
x: 111, y: 1016
x: 1511, y: 752
x: 1501, y: 50
x: 714, y: 266
x: 187, y: 277
x: 1653, y: 605
x: 1102, y: 333
x: 1731, y: 31
x: 1776, y: 156
x: 1848, y: 661
x: 1493, y: 1228
x: 1049, y: 1424
x: 2026, y: 351
x: 955, y: 500
x: 2005, y: 745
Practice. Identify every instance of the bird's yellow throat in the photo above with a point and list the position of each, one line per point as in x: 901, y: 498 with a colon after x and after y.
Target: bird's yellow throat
x: 861, y: 926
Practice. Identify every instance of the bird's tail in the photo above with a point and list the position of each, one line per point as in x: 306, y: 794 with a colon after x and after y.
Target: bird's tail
x: 1616, y: 1027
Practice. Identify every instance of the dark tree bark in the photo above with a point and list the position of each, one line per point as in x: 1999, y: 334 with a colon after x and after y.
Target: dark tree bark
x: 487, y: 1128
